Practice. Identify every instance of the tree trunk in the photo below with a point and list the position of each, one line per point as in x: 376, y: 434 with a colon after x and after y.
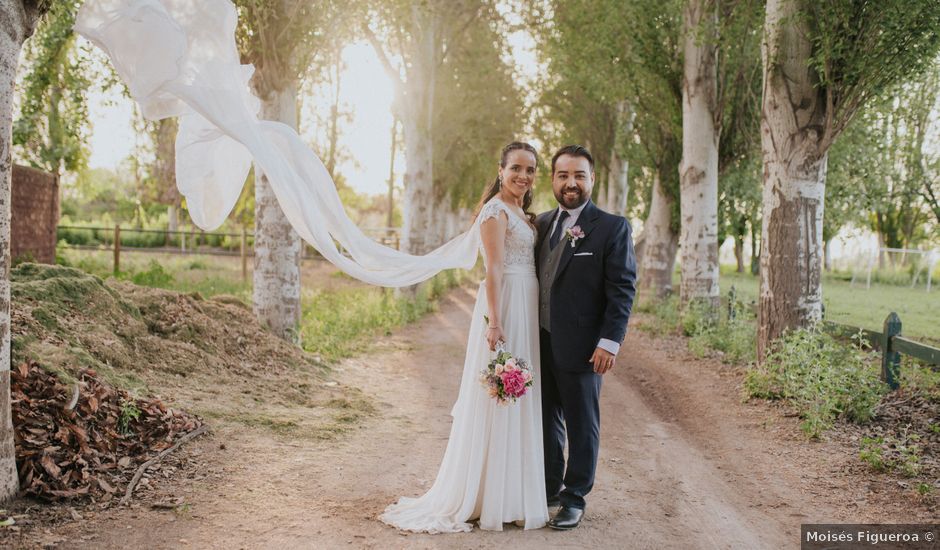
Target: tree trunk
x: 444, y: 214
x: 18, y: 23
x: 755, y: 246
x: 455, y: 221
x: 418, y: 208
x: 660, y: 244
x: 639, y: 247
x: 54, y: 127
x: 827, y: 256
x: 419, y: 147
x: 164, y: 170
x: 881, y: 244
x: 698, y: 172
x: 172, y: 219
x: 390, y: 215
x: 793, y: 112
x: 164, y: 165
x: 333, y: 131
x: 276, y: 274
x: 617, y: 185
x: 739, y: 253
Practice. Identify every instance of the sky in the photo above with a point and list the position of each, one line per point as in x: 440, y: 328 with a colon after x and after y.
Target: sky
x: 367, y: 94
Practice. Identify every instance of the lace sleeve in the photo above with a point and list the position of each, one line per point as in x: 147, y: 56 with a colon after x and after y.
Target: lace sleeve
x: 492, y: 209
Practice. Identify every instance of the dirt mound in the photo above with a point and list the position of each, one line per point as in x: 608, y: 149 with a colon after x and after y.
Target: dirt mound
x: 88, y: 439
x: 67, y: 319
x: 118, y: 343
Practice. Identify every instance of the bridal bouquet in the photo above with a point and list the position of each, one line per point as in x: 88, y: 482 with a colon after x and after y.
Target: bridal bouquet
x: 506, y: 378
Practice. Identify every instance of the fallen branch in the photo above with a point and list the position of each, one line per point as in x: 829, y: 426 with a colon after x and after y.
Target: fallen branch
x: 143, y: 467
x: 884, y: 404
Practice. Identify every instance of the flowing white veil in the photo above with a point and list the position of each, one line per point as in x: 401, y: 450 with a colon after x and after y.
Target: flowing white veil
x: 179, y: 58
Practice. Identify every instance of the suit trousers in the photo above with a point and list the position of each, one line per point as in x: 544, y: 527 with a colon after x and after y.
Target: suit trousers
x: 570, y: 403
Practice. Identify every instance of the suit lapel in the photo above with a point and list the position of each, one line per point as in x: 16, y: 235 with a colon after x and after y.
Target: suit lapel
x: 586, y: 220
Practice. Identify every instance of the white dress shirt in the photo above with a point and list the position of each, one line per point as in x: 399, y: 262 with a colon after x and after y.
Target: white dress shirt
x: 572, y: 219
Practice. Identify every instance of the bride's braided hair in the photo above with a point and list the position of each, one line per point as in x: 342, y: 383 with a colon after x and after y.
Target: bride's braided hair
x: 493, y: 189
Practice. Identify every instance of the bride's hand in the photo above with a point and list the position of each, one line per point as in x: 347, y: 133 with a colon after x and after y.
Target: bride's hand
x: 494, y: 335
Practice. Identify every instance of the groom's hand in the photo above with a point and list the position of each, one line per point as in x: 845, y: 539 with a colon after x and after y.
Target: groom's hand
x: 603, y: 360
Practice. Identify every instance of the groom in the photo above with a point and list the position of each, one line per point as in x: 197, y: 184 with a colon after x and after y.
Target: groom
x: 587, y: 276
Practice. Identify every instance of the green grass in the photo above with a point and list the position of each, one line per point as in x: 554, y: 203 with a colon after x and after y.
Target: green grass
x: 207, y: 275
x: 861, y: 307
x: 343, y: 322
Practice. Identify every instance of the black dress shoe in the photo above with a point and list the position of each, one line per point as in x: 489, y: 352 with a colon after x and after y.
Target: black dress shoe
x: 554, y: 502
x: 566, y: 519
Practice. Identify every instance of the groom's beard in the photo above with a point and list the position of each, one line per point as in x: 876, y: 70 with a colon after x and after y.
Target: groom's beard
x: 571, y: 197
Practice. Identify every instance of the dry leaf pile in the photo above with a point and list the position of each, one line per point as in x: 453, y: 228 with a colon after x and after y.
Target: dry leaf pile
x: 206, y: 356
x: 89, y: 447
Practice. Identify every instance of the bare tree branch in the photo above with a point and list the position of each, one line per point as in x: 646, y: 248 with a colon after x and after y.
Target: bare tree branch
x: 383, y: 57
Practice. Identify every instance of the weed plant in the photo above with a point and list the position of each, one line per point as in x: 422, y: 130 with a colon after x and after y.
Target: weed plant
x: 823, y: 378
x: 733, y: 333
x: 900, y: 454
x: 665, y: 315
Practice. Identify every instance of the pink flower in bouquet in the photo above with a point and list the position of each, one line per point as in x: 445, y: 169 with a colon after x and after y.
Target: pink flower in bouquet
x: 510, y: 365
x: 514, y: 383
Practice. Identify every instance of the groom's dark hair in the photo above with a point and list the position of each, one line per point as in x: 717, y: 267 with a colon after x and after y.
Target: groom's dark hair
x: 574, y: 151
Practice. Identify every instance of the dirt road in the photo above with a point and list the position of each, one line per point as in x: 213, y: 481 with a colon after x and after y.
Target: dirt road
x: 684, y: 464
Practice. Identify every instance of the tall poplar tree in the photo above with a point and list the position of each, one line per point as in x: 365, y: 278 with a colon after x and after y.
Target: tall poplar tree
x: 18, y: 19
x: 823, y: 61
x: 281, y: 38
x: 421, y: 35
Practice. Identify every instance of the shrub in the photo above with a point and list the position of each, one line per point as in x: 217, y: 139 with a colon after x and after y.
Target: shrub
x: 77, y: 236
x: 736, y: 338
x: 154, y: 276
x: 137, y: 239
x: 734, y: 333
x: 60, y: 257
x: 821, y: 377
x: 665, y: 315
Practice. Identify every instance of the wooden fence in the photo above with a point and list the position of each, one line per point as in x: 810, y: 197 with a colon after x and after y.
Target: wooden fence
x: 193, y: 242
x: 889, y: 342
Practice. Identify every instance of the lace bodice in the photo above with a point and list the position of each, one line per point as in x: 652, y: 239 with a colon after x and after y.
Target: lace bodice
x: 520, y: 236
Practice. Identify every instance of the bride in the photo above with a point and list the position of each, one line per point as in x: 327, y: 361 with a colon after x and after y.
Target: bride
x: 180, y: 59
x: 492, y: 470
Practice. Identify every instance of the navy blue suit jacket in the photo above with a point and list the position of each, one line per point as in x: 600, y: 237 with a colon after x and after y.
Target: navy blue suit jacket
x: 594, y: 286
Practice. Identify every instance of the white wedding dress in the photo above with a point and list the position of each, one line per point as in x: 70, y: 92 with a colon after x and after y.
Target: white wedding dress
x: 493, y: 468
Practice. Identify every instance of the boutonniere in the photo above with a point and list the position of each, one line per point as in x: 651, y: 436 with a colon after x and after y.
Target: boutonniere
x: 573, y: 234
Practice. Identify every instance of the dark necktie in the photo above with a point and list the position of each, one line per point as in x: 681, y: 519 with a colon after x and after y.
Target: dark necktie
x: 556, y: 234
